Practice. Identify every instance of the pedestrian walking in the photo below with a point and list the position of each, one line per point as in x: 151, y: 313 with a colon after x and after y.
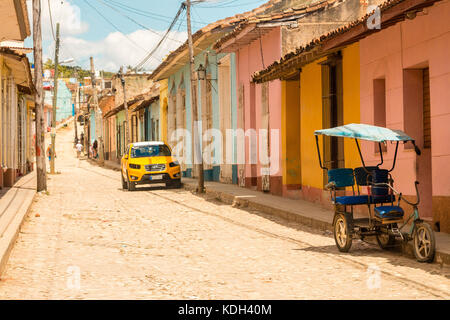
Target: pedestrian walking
x: 82, y: 138
x: 95, y: 148
x: 79, y: 147
x: 49, y: 152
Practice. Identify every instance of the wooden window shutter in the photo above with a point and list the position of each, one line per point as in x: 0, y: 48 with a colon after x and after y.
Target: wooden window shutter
x: 426, y: 109
x: 326, y: 115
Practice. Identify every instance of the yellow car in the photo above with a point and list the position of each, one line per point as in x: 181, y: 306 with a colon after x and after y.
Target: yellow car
x: 149, y: 163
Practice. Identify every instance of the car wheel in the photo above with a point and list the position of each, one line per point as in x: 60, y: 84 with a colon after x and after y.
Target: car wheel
x: 124, y: 182
x: 131, y: 184
x: 177, y: 184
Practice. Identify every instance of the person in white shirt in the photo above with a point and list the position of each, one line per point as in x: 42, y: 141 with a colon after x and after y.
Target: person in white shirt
x: 79, y: 148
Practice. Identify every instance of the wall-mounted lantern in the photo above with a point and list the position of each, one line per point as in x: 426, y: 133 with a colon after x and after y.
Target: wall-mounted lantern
x: 201, y: 72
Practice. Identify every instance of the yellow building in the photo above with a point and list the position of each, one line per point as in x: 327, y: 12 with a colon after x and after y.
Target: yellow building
x: 163, y: 103
x: 15, y: 127
x: 15, y: 85
x: 320, y: 89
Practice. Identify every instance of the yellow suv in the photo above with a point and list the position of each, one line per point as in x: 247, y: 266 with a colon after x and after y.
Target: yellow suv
x: 149, y: 163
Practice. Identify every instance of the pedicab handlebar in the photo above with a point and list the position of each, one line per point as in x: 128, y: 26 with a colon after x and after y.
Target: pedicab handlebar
x: 400, y: 195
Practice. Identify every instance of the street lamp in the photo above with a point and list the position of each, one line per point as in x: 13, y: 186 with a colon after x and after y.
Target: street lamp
x: 70, y: 60
x: 201, y: 75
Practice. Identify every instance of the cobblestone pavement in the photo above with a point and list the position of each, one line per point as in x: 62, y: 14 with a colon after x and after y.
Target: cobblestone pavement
x: 88, y: 239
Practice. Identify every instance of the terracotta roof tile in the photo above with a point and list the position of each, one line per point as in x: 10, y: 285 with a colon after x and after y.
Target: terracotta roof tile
x: 289, y: 13
x: 315, y: 43
x: 220, y: 24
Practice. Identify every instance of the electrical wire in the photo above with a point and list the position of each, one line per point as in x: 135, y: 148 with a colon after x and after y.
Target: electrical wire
x: 134, y: 21
x: 144, y: 13
x: 142, y: 63
x: 51, y: 19
x: 113, y: 25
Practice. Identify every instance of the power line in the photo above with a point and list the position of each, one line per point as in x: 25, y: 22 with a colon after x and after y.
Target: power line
x: 142, y: 63
x: 134, y: 21
x: 144, y: 13
x: 51, y: 19
x: 113, y: 25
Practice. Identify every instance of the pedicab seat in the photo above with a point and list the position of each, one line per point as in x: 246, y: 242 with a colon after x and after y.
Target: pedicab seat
x: 344, y: 177
x: 389, y: 212
x: 352, y: 200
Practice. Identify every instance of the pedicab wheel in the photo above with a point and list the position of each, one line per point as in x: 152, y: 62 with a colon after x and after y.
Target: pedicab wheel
x: 424, y: 242
x: 342, y: 236
x: 124, y: 183
x: 385, y: 240
x: 131, y: 185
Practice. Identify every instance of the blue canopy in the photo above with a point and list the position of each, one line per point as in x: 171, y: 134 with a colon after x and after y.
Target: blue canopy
x: 365, y: 132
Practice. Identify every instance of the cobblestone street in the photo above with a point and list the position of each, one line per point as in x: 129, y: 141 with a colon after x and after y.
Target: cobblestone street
x: 171, y: 244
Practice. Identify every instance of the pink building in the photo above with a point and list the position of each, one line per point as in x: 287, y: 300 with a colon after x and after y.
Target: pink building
x: 405, y: 84
x: 259, y: 107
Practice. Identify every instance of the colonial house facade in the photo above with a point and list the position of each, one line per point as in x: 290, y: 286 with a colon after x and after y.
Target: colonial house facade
x: 371, y: 79
x: 16, y: 89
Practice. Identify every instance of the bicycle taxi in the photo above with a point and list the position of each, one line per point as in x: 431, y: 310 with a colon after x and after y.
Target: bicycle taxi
x: 385, y: 219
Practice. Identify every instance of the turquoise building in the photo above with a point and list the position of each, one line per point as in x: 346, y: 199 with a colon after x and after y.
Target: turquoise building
x: 64, y: 105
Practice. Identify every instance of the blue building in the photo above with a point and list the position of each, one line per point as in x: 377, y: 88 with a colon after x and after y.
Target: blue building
x: 64, y: 105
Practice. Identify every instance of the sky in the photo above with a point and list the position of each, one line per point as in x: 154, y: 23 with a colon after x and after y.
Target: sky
x: 123, y: 32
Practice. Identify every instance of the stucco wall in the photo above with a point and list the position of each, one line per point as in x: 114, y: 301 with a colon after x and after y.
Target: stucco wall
x: 413, y: 44
x: 250, y: 59
x: 311, y: 120
x: 163, y: 102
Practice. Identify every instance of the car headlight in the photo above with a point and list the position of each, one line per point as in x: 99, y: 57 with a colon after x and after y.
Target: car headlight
x: 134, y: 166
x: 174, y: 164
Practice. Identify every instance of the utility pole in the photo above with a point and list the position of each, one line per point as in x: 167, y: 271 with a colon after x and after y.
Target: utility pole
x: 98, y: 115
x: 75, y: 121
x: 127, y: 119
x: 41, y: 171
x: 197, y: 134
x: 55, y: 102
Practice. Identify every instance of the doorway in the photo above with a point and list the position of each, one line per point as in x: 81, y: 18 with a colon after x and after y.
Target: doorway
x: 332, y: 112
x: 417, y: 124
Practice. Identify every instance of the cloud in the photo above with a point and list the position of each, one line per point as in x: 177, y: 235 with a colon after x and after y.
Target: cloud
x: 118, y: 49
x: 109, y: 53
x: 60, y: 11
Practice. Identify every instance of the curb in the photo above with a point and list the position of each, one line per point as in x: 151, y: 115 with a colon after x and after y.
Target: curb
x: 441, y: 258
x: 10, y: 235
x: 284, y: 214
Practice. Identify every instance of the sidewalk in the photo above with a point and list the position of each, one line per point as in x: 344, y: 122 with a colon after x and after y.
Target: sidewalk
x: 304, y: 212
x: 300, y: 211
x: 14, y: 205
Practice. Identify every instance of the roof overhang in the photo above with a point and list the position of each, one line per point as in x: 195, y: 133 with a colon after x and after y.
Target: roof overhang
x: 180, y: 57
x: 391, y: 15
x: 20, y: 70
x: 247, y: 35
x: 146, y: 103
x: 392, y: 12
x: 14, y: 18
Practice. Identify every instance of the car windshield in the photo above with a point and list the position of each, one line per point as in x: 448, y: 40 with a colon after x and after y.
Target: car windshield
x: 150, y: 151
